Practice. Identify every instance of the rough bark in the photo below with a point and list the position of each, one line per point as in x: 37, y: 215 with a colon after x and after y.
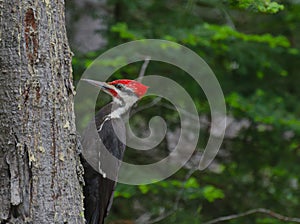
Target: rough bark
x: 38, y: 155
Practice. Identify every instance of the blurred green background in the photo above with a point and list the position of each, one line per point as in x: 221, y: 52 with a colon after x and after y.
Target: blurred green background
x: 253, y: 48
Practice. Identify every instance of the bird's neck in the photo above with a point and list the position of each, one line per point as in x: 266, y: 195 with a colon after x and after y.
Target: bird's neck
x: 118, y: 110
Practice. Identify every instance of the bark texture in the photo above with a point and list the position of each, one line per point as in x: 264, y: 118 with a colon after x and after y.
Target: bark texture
x: 39, y: 182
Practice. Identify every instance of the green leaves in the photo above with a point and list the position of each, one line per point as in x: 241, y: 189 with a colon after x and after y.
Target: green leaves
x: 124, y: 32
x: 188, y: 190
x: 253, y: 48
x: 264, y: 108
x: 144, y: 189
x: 191, y: 183
x: 212, y: 193
x: 226, y: 32
x: 263, y: 6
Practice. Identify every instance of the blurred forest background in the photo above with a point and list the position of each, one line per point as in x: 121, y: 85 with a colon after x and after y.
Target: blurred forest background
x: 253, y: 48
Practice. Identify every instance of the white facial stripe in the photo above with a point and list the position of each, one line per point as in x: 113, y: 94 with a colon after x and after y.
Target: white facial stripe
x: 126, y: 98
x: 129, y: 100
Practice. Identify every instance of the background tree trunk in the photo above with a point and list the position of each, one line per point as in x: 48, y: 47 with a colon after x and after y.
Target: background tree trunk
x: 38, y: 156
x: 86, y: 20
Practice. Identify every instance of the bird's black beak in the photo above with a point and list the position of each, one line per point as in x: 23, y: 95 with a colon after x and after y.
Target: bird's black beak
x: 110, y: 89
x: 102, y: 85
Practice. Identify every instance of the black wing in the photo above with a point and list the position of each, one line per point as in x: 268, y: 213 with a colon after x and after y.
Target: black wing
x: 98, y: 190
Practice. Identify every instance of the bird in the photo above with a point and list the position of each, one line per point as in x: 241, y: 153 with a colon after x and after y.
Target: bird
x: 98, y: 189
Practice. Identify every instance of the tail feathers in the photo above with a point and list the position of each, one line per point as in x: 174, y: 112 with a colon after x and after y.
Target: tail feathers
x: 97, y: 216
x: 98, y: 195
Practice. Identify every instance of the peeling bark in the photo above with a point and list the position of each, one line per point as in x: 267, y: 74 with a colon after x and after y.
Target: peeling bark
x: 38, y: 151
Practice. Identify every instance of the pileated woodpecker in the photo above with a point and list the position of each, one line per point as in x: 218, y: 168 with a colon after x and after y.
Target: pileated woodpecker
x: 98, y: 189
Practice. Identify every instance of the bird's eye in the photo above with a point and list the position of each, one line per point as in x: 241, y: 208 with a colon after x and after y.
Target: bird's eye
x: 119, y: 86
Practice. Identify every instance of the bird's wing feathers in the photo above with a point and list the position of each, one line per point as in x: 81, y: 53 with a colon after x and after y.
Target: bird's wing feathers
x: 98, y: 190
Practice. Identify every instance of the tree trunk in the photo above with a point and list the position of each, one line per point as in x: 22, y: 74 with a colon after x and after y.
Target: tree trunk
x: 85, y: 20
x: 39, y: 182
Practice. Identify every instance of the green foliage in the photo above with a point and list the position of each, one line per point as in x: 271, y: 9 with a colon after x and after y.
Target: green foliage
x: 191, y: 183
x: 211, y: 193
x: 122, y: 30
x: 267, y: 221
x: 253, y: 48
x: 226, y: 32
x: 263, y: 6
x: 259, y: 105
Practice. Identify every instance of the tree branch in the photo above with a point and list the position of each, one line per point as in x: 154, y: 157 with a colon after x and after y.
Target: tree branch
x: 253, y: 211
x: 144, y: 67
